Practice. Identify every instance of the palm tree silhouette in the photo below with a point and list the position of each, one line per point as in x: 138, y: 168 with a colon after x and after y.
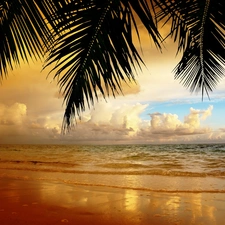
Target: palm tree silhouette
x: 90, y: 42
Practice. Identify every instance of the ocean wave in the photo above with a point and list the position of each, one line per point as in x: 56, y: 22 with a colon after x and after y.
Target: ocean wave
x: 35, y: 162
x: 149, y: 189
x: 115, y: 185
x: 152, y: 172
x: 164, y: 160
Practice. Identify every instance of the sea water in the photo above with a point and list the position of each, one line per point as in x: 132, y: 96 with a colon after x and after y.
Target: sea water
x: 168, y: 168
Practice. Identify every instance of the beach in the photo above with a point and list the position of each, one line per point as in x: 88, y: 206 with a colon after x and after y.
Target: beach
x: 112, y: 185
x: 40, y: 202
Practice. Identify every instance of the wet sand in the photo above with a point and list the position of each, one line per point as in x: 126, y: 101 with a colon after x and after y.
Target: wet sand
x: 47, y: 203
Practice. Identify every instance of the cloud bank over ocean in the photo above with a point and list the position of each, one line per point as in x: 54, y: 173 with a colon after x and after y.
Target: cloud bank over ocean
x: 107, y: 124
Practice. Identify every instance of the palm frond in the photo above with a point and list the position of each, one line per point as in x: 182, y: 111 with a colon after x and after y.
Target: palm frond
x: 95, y: 50
x: 199, y: 28
x: 24, y: 33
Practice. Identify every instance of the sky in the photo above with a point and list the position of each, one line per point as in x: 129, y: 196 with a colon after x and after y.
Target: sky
x: 157, y: 109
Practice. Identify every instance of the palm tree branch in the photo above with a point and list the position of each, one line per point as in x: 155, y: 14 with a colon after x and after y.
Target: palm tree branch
x: 23, y: 33
x: 198, y: 27
x: 95, y: 51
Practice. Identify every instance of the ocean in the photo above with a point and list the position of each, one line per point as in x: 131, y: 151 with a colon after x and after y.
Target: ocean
x: 160, y: 168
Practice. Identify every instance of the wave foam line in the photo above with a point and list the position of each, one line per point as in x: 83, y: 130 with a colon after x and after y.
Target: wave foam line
x: 158, y: 172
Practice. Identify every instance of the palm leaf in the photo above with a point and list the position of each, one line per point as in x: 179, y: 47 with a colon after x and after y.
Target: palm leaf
x: 95, y: 50
x: 199, y: 28
x: 24, y: 32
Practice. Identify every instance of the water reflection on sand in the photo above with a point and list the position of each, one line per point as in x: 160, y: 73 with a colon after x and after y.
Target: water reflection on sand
x: 123, y: 206
x: 141, y: 206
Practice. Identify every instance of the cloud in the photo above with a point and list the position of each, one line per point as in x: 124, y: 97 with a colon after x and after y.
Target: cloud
x: 171, y: 125
x: 123, y: 124
x: 168, y: 128
x: 17, y: 127
x: 206, y: 113
x: 164, y: 121
x: 12, y: 115
x: 106, y: 123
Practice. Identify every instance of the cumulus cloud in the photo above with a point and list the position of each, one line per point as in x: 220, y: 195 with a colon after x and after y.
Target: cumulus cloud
x: 17, y: 127
x: 12, y: 115
x: 105, y: 123
x: 123, y: 124
x: 196, y: 114
x: 164, y: 122
x: 170, y: 124
x: 126, y: 116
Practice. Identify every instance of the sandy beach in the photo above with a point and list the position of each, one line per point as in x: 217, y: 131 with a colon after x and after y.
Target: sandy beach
x: 43, y: 202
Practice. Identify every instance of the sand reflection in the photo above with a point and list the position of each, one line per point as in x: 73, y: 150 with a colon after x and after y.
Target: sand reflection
x: 162, y: 208
x: 131, y: 199
x: 110, y: 205
x: 202, y: 209
x: 173, y: 203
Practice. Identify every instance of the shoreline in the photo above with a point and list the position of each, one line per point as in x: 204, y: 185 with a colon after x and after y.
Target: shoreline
x: 148, y: 183
x: 49, y: 202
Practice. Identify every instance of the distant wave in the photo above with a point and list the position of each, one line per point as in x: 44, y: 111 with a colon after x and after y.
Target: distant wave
x: 35, y: 162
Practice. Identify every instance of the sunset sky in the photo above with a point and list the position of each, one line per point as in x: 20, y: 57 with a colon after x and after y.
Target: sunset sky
x: 158, y: 109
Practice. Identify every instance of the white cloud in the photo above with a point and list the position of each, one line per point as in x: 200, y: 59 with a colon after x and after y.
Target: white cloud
x: 105, y: 124
x: 124, y: 124
x: 17, y: 127
x: 164, y: 121
x: 171, y: 125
